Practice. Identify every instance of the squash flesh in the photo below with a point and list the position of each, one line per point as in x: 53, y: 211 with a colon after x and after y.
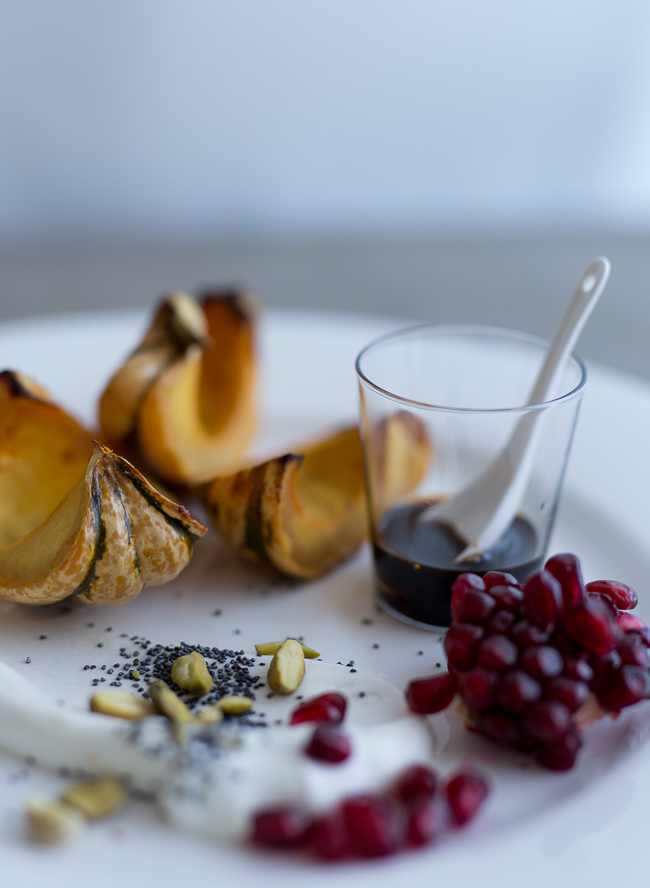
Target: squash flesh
x: 304, y: 513
x: 229, y: 368
x: 120, y: 402
x: 43, y: 451
x: 331, y: 475
x: 326, y: 516
x: 53, y: 555
x: 108, y: 534
x: 186, y: 402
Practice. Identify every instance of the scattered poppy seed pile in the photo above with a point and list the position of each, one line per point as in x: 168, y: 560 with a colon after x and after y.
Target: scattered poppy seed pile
x: 145, y: 662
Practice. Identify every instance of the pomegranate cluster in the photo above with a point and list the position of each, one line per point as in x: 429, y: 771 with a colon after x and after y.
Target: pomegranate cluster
x: 416, y: 811
x: 533, y: 663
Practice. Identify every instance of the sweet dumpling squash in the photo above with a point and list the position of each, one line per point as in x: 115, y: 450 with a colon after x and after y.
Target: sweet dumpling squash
x: 185, y: 400
x: 305, y: 512
x: 76, y: 518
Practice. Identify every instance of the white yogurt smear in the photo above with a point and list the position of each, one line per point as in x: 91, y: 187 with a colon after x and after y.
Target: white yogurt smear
x: 221, y: 774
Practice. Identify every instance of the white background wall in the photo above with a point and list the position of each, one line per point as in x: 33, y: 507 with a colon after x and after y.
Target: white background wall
x: 436, y: 159
x: 312, y: 117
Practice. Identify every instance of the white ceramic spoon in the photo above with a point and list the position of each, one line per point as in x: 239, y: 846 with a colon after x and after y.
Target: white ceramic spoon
x: 483, y: 511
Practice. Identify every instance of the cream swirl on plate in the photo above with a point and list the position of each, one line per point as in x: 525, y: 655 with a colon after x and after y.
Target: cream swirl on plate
x: 213, y: 781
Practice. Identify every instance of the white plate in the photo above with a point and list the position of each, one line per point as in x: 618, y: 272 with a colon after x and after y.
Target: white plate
x: 587, y: 827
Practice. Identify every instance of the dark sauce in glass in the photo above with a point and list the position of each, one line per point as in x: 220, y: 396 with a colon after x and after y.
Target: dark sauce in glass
x: 415, y: 569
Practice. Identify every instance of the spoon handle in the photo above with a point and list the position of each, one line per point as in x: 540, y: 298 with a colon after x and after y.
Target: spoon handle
x: 586, y: 295
x: 482, y: 512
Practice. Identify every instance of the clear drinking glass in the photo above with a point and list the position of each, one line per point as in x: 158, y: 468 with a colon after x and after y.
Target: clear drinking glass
x: 462, y: 390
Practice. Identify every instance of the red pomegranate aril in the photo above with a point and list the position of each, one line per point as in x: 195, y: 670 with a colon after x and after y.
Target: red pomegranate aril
x: 327, y: 744
x: 572, y: 693
x: 328, y: 707
x: 542, y: 600
x: 507, y: 597
x: 553, y: 760
x: 518, y: 690
x: 543, y: 662
x: 497, y: 652
x: 641, y: 632
x: 416, y: 782
x: 473, y: 606
x: 282, y: 827
x: 629, y: 685
x: 627, y: 622
x: 578, y: 668
x: 591, y: 624
x: 499, y: 726
x: 526, y: 744
x: 427, y: 821
x: 466, y: 581
x: 426, y: 696
x: 560, y: 755
x: 566, y: 569
x: 568, y: 647
x: 500, y: 622
x: 524, y: 634
x: 373, y: 824
x: 547, y: 720
x: 329, y: 838
x: 633, y: 652
x: 607, y: 601
x: 478, y: 687
x: 466, y: 792
x: 623, y: 596
x: 605, y: 666
x: 498, y: 578
x: 460, y: 644
x: 462, y: 584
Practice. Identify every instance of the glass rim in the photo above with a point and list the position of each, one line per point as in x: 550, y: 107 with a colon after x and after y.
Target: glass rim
x: 467, y: 330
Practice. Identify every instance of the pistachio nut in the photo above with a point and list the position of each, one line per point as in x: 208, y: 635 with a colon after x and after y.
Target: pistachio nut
x: 121, y: 704
x: 234, y: 704
x: 270, y: 647
x: 167, y: 703
x: 96, y: 798
x: 191, y: 674
x: 52, y: 822
x: 287, y: 668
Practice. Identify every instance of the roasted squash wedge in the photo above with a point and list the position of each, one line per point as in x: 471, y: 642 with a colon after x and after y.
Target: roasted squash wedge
x: 185, y: 401
x: 305, y: 512
x: 76, y: 518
